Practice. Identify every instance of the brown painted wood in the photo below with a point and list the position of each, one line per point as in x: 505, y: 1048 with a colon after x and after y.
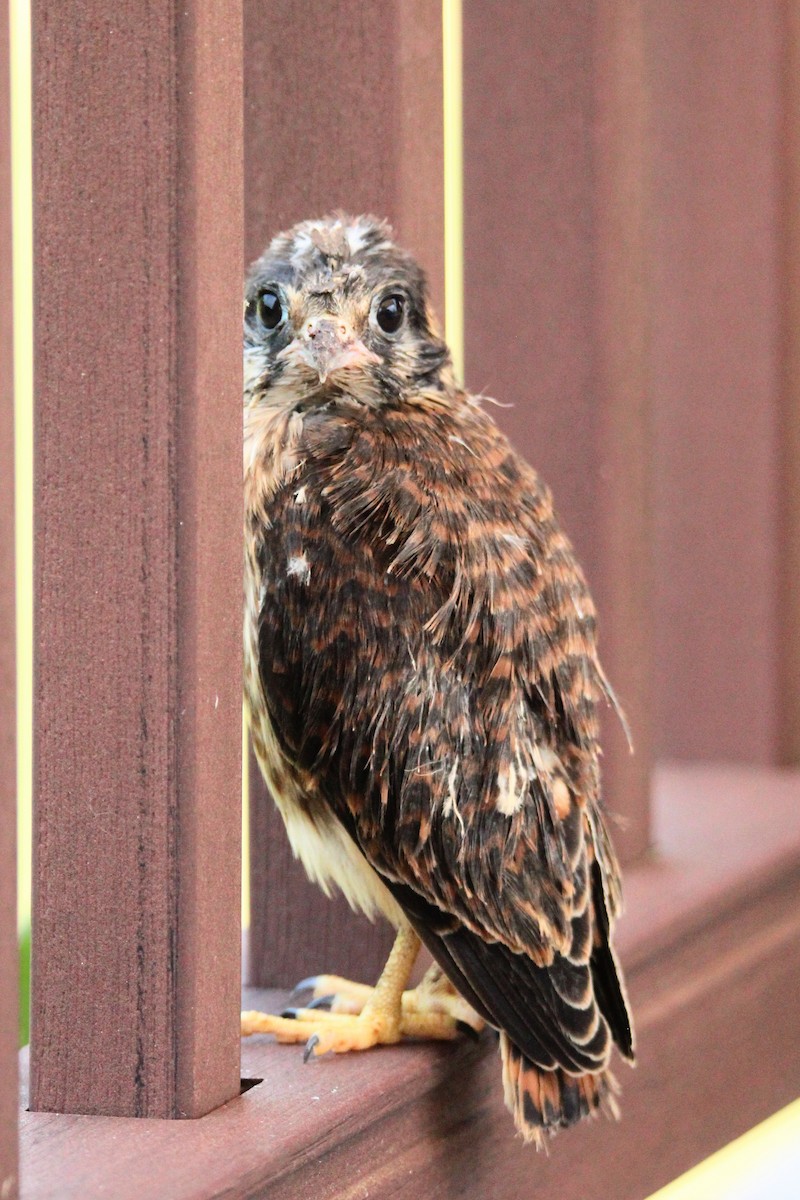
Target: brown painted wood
x: 138, y: 250
x: 8, y: 699
x: 789, y: 564
x: 713, y: 843
x: 451, y: 1138
x: 343, y: 109
x: 555, y: 306
x: 717, y: 279
x: 718, y: 1031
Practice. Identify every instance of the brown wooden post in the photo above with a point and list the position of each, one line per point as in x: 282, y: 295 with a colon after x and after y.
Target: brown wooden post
x: 138, y: 251
x: 789, y: 561
x: 8, y: 716
x: 343, y: 109
x: 720, y: 320
x: 554, y: 307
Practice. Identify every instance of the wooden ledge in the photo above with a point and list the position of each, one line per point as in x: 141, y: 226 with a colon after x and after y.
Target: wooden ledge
x: 711, y: 948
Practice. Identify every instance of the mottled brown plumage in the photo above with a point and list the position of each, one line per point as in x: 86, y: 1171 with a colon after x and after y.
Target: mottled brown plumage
x: 421, y: 665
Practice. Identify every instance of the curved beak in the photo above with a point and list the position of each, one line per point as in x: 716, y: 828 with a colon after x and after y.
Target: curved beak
x: 328, y: 344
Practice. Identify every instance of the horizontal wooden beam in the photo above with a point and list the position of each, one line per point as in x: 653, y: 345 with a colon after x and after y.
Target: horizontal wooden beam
x: 138, y: 259
x: 712, y: 943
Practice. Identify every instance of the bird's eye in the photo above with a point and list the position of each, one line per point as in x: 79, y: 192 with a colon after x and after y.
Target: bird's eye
x: 390, y: 312
x: 270, y: 309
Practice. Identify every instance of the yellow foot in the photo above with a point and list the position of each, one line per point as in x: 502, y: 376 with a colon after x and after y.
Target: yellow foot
x: 323, y: 1031
x: 434, y: 994
x: 378, y: 1016
x: 338, y: 1032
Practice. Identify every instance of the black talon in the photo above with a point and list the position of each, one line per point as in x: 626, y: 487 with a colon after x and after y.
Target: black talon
x: 310, y: 1044
x: 465, y: 1027
x: 305, y: 985
x: 322, y: 1001
x: 290, y: 1013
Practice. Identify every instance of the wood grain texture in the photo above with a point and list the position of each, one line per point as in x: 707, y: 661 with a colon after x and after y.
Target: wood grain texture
x: 409, y: 1121
x: 138, y: 557
x: 348, y: 118
x: 789, y: 562
x: 8, y: 698
x: 555, y: 307
x: 343, y: 109
x: 716, y: 294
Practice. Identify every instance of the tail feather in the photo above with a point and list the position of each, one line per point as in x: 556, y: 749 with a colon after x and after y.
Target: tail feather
x: 542, y: 1102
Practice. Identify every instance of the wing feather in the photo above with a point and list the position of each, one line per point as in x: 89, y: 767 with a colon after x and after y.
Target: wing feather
x: 434, y: 671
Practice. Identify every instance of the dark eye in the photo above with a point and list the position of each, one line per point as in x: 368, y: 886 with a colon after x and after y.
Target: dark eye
x: 390, y: 313
x: 270, y: 309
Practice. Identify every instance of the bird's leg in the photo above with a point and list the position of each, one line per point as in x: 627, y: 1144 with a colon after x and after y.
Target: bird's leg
x: 433, y: 994
x: 382, y: 1020
x: 378, y: 1022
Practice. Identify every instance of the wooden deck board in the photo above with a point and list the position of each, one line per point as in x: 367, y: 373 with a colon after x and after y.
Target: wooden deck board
x: 718, y: 1029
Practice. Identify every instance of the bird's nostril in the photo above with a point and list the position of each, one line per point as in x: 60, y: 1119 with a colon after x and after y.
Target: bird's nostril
x: 326, y: 330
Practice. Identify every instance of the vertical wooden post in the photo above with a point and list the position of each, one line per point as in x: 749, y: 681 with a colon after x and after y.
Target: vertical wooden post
x: 8, y: 767
x: 138, y: 255
x: 347, y: 116
x: 717, y: 270
x: 788, y: 700
x: 553, y: 243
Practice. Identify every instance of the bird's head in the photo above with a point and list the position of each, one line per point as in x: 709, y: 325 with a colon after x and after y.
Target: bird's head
x: 334, y: 309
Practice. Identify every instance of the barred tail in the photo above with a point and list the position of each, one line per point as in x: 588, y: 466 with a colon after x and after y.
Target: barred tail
x: 542, y: 1102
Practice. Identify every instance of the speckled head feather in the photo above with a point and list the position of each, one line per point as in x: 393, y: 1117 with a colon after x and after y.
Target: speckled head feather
x: 421, y: 661
x: 340, y: 270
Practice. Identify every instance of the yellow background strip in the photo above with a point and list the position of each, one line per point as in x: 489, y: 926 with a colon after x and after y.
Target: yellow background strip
x: 740, y: 1168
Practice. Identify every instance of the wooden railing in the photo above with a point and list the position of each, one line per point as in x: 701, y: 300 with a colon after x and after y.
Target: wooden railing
x: 623, y: 289
x: 8, y: 766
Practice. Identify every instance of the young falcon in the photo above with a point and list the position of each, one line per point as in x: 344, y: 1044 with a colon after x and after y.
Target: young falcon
x: 422, y: 678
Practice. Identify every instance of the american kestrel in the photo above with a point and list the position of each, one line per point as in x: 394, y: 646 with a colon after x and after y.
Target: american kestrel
x: 422, y: 677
